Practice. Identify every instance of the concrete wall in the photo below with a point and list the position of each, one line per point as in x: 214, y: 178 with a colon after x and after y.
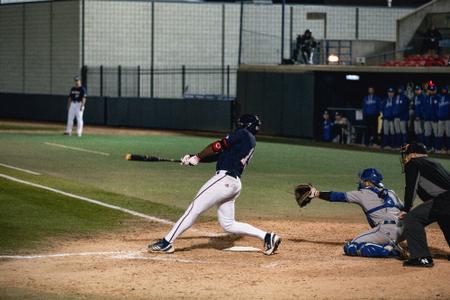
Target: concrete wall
x: 202, y: 115
x: 368, y: 48
x: 39, y: 47
x: 409, y: 24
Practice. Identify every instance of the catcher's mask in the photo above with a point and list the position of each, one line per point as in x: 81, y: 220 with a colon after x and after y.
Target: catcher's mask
x: 372, y: 175
x: 410, y: 151
x: 250, y: 122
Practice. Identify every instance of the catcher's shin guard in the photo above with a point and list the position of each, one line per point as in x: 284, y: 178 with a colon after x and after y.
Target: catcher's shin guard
x: 366, y: 250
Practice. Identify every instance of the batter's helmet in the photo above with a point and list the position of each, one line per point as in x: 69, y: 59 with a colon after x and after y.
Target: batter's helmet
x: 372, y: 175
x: 249, y: 122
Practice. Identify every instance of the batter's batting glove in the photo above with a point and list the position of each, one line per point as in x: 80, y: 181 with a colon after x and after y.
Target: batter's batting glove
x: 189, y: 160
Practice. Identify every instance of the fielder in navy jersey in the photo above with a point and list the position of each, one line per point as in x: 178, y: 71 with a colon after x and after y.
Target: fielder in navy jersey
x: 233, y: 153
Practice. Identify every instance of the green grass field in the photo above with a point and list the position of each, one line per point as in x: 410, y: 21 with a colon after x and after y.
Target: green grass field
x: 29, y: 216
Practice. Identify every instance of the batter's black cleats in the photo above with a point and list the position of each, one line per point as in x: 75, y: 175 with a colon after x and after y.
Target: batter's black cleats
x: 271, y: 243
x: 161, y: 246
x: 421, y: 262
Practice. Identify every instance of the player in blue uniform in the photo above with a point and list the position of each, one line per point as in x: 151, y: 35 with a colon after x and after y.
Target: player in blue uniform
x: 388, y: 119
x: 327, y: 127
x: 233, y: 153
x: 371, y: 110
x: 430, y: 117
x: 443, y: 116
x: 419, y: 101
x: 382, y: 209
x: 400, y: 112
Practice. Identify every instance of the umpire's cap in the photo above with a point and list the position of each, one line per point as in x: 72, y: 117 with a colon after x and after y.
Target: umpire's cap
x: 414, y: 148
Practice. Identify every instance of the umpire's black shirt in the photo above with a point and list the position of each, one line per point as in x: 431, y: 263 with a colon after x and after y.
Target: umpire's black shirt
x: 429, y: 180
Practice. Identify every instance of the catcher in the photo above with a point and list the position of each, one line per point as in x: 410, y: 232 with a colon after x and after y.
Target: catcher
x: 381, y: 207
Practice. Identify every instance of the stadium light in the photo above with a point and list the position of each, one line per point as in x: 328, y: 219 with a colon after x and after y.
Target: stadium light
x: 352, y: 77
x: 333, y: 58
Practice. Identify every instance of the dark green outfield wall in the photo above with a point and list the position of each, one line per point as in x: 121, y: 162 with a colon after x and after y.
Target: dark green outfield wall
x: 207, y: 115
x: 284, y: 101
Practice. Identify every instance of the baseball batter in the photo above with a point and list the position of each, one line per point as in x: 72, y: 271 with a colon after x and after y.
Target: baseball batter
x: 75, y: 107
x: 381, y: 207
x: 233, y: 153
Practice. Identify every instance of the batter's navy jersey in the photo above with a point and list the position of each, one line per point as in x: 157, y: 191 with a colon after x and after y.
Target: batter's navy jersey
x: 238, y: 153
x: 77, y: 93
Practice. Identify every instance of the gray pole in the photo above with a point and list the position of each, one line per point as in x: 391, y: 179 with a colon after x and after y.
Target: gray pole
x: 223, y: 50
x: 283, y: 4
x: 152, y: 56
x: 241, y: 18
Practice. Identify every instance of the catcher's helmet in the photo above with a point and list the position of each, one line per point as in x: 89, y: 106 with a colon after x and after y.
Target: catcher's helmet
x: 372, y: 175
x: 249, y: 122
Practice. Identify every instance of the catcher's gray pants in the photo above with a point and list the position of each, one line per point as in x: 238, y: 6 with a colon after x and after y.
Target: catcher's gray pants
x: 430, y: 128
x: 418, y: 127
x: 381, y: 234
x: 221, y: 191
x: 388, y: 127
x: 400, y: 126
x: 443, y: 128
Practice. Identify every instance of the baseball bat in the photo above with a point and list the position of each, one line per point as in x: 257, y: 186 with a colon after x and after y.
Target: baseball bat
x: 151, y: 158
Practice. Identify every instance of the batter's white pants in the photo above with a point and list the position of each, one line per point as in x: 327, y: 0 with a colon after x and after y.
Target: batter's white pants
x: 400, y: 126
x: 418, y: 127
x: 381, y: 234
x: 388, y: 127
x: 430, y: 128
x: 221, y: 190
x: 75, y: 112
x: 443, y: 128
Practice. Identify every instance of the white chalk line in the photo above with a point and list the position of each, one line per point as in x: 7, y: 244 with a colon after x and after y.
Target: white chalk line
x: 20, y: 169
x: 131, y: 255
x: 93, y: 201
x: 141, y: 255
x: 77, y: 149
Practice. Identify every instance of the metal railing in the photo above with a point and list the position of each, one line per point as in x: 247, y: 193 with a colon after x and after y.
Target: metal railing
x: 175, y: 83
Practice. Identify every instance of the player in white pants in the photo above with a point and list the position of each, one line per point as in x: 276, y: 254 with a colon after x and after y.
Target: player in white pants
x: 232, y: 153
x: 75, y: 107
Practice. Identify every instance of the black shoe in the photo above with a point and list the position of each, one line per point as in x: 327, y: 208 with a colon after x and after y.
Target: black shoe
x: 161, y: 246
x: 271, y: 243
x: 423, y: 262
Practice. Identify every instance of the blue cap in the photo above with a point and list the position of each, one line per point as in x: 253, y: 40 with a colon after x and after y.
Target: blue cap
x: 391, y: 90
x: 444, y: 87
x: 76, y: 78
x: 431, y: 87
x: 417, y: 88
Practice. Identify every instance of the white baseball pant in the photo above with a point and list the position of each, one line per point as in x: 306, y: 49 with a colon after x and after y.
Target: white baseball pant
x: 443, y: 128
x: 418, y: 127
x: 430, y: 128
x: 75, y: 111
x: 221, y: 190
x: 388, y: 127
x: 400, y: 126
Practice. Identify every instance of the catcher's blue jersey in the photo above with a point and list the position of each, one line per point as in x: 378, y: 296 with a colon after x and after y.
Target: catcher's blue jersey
x: 238, y: 153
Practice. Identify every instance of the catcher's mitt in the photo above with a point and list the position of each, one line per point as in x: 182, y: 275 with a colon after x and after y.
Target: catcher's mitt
x: 304, y: 193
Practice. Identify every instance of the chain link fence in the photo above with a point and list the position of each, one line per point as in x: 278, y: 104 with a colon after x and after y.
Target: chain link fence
x: 167, y: 49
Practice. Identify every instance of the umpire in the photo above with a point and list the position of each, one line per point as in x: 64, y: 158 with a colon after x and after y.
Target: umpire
x: 431, y: 182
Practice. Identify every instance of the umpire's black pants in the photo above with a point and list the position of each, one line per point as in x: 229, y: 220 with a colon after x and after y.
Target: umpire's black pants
x: 420, y: 217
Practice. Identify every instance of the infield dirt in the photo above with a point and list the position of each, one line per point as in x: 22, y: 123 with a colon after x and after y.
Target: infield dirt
x: 309, y: 264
